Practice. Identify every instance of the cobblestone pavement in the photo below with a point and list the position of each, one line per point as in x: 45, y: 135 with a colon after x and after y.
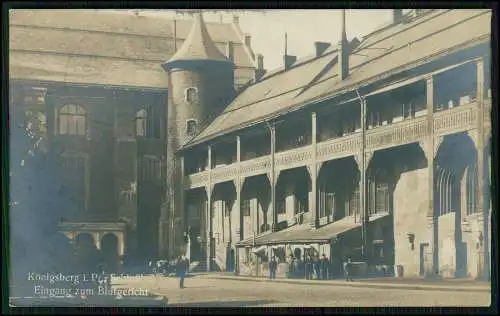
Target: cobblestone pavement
x: 203, y: 291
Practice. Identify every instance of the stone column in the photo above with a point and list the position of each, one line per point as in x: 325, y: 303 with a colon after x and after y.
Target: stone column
x: 363, y: 160
x: 313, y: 171
x: 208, y: 212
x: 479, y: 142
x: 273, y: 179
x: 430, y: 148
x: 237, y: 220
x: 238, y: 184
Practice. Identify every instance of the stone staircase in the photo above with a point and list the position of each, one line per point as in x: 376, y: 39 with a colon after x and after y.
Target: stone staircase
x: 198, y: 266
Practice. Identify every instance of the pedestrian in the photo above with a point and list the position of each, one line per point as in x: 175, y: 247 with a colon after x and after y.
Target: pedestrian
x: 289, y: 262
x: 273, y: 266
x: 316, y: 263
x: 323, y: 266
x: 347, y: 269
x: 308, y: 268
x: 182, y: 267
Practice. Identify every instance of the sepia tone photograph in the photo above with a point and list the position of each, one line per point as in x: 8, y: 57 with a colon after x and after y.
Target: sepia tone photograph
x: 250, y: 158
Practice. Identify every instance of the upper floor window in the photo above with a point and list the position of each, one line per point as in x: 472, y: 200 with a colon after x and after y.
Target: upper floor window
x: 72, y: 120
x: 191, y: 95
x: 148, y: 122
x: 150, y: 168
x: 191, y: 127
x: 74, y: 167
x: 245, y: 208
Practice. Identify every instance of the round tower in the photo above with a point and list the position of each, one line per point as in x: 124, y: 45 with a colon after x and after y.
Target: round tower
x: 200, y: 85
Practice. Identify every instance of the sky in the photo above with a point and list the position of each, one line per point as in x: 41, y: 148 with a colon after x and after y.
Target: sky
x: 303, y: 28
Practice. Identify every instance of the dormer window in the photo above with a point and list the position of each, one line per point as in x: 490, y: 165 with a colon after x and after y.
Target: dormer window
x: 191, y: 126
x: 191, y: 95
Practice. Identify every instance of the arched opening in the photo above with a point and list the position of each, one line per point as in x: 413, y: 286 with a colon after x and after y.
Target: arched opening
x: 223, y: 224
x: 455, y: 198
x: 292, y: 196
x: 255, y: 199
x: 62, y: 252
x: 110, y: 251
x: 196, y: 203
x: 88, y: 257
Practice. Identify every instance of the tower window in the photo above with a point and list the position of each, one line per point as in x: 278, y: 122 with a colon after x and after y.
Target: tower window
x: 191, y: 126
x: 191, y: 95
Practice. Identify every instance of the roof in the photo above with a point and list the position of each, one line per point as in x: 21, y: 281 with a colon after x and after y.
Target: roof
x: 388, y: 50
x: 105, y: 47
x: 303, y: 234
x: 198, y: 46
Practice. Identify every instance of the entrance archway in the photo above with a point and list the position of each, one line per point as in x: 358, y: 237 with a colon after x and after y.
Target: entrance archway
x: 88, y: 257
x: 230, y: 260
x: 455, y: 172
x: 110, y: 252
x: 62, y: 253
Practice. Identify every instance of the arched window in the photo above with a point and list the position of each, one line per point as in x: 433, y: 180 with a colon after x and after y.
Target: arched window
x: 74, y: 186
x: 471, y: 189
x: 191, y: 95
x: 191, y: 126
x: 378, y: 190
x: 354, y: 204
x: 148, y: 122
x: 72, y: 120
x: 149, y: 169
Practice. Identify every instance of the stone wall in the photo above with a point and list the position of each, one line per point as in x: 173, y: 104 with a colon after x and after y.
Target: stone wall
x: 410, y: 216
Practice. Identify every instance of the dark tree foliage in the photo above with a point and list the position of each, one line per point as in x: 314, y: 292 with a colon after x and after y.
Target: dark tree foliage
x: 36, y: 206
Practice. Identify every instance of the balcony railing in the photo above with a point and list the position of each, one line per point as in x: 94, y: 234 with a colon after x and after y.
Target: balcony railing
x: 401, y: 133
x: 455, y: 120
x: 459, y: 119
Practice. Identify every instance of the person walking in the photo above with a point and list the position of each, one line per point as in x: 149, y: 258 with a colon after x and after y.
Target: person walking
x: 273, y: 266
x: 323, y: 266
x: 308, y: 268
x: 347, y: 269
x: 182, y: 267
x: 316, y: 267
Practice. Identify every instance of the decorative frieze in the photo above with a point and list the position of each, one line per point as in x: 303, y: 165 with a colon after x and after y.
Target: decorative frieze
x: 225, y: 173
x: 462, y: 118
x: 255, y: 166
x: 338, y: 147
x: 293, y: 158
x: 196, y: 180
x: 397, y: 134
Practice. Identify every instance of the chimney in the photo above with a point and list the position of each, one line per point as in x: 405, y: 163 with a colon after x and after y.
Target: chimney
x: 230, y: 50
x: 259, y: 71
x: 236, y: 20
x: 343, y: 59
x: 320, y: 48
x: 260, y: 62
x: 248, y: 40
x: 289, y: 60
x: 397, y: 16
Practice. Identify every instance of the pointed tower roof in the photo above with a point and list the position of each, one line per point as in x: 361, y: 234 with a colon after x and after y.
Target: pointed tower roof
x: 198, y: 47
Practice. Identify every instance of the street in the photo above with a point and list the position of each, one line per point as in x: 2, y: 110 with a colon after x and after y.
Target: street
x: 207, y: 291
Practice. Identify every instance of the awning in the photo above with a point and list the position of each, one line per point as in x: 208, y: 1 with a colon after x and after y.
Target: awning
x: 259, y: 249
x: 303, y: 234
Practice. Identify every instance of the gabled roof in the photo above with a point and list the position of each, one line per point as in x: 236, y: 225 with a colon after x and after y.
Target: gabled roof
x: 106, y: 47
x: 380, y: 53
x: 198, y: 46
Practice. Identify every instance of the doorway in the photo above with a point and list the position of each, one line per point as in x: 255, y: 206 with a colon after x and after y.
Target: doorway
x: 423, y: 257
x: 230, y: 260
